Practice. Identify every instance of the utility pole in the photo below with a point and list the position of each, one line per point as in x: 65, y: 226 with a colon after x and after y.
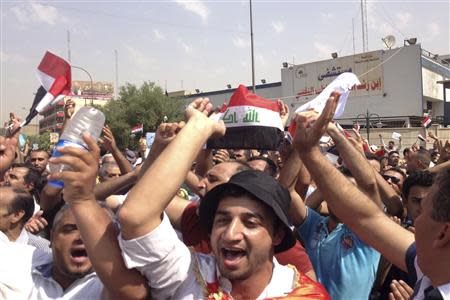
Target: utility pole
x: 68, y: 46
x: 353, y: 33
x: 364, y: 30
x: 116, y: 88
x: 251, y: 41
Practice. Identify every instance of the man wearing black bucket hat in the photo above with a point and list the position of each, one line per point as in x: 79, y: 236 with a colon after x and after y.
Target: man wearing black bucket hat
x: 246, y: 218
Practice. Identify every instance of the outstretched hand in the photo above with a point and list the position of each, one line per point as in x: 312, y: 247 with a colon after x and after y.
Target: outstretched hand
x: 166, y: 132
x: 311, y: 126
x: 444, y: 150
x: 200, y: 109
x: 284, y: 112
x: 79, y: 181
x: 400, y: 290
x: 108, y: 140
x: 36, y: 223
x: 8, y: 146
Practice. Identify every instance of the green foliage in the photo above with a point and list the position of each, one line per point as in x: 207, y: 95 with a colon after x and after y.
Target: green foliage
x: 43, y: 140
x: 147, y: 105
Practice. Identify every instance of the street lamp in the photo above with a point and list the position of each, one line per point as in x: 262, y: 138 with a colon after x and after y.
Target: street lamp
x: 368, y: 117
x: 410, y: 41
x: 90, y: 78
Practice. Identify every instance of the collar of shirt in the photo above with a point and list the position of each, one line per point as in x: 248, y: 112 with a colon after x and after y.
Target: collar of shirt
x: 444, y: 289
x: 281, y: 283
x: 23, y: 237
x: 45, y: 271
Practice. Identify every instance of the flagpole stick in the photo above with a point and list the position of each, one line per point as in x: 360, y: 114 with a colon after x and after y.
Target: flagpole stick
x: 252, y: 50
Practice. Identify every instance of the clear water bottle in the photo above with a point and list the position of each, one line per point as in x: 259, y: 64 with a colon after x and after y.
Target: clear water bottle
x: 86, y: 120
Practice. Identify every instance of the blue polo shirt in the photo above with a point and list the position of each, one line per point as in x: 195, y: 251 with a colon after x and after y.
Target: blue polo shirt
x: 344, y: 264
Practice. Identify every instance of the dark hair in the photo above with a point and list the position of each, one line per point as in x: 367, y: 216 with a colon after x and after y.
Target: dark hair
x: 420, y: 178
x: 271, y: 165
x: 237, y: 191
x: 247, y: 153
x: 392, y: 152
x: 242, y: 166
x: 441, y: 199
x: 406, y: 150
x: 371, y: 156
x: 41, y: 150
x: 22, y: 200
x: 398, y: 170
x: 33, y: 176
x: 66, y: 206
x: 424, y: 157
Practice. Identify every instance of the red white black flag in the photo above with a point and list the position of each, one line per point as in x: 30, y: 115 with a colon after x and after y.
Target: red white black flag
x: 426, y: 122
x: 54, y: 73
x: 139, y: 128
x: 252, y: 122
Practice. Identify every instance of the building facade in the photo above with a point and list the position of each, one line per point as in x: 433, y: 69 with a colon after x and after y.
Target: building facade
x: 398, y: 85
x: 84, y: 93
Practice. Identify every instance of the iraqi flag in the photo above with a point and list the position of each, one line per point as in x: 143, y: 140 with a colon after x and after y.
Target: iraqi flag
x: 426, y: 122
x: 139, y: 128
x: 252, y: 123
x: 54, y: 74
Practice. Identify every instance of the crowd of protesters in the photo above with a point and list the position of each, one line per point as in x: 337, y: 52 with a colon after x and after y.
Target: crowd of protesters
x: 336, y: 220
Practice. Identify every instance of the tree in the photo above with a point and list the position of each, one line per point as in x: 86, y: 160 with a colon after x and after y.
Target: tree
x: 42, y: 140
x: 145, y: 105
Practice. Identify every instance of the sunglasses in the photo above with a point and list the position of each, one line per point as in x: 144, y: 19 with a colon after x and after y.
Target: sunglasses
x: 393, y: 179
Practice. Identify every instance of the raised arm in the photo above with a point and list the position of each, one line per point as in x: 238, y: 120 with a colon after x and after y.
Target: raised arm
x: 382, y: 142
x: 138, y: 215
x: 356, y: 163
x: 8, y: 146
x: 288, y: 178
x: 109, y: 142
x: 110, y: 187
x: 96, y: 226
x: 165, y: 133
x: 351, y: 205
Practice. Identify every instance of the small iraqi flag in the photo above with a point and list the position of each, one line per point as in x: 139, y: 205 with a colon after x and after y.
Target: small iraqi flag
x: 55, y: 76
x: 426, y: 122
x: 139, y: 128
x: 252, y: 122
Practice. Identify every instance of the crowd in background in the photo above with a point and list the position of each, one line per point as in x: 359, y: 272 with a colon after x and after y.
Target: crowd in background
x: 338, y: 220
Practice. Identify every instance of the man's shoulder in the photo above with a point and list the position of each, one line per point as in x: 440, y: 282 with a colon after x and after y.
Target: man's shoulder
x: 87, y: 287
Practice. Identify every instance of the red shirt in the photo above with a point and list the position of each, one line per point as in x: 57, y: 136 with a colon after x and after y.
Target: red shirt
x: 194, y: 235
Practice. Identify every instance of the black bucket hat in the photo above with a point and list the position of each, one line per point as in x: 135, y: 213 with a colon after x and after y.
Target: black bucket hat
x: 264, y: 188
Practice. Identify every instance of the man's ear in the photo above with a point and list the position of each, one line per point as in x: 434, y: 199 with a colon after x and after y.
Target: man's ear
x: 29, y: 186
x: 278, y: 236
x: 17, y: 216
x: 443, y: 238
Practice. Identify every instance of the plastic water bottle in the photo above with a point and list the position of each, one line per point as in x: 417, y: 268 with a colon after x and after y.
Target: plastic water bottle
x: 86, y: 120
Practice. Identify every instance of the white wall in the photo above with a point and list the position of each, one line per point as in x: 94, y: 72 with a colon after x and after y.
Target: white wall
x: 401, y: 85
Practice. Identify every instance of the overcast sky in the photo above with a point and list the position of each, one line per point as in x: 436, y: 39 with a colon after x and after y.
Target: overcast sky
x: 197, y: 44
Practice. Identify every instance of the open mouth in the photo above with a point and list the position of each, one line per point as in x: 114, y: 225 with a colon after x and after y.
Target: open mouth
x: 79, y: 255
x: 232, y: 256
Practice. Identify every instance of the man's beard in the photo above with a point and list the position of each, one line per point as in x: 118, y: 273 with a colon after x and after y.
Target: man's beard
x: 76, y: 275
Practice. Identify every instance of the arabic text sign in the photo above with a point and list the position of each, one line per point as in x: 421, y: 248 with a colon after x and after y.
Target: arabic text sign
x: 311, y: 79
x: 343, y: 83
